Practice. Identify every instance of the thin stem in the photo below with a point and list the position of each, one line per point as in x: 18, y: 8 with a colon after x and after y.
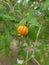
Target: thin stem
x: 33, y: 59
x: 36, y: 61
x: 37, y: 36
x: 26, y: 57
x: 14, y: 5
x: 38, y: 32
x: 35, y: 46
x: 6, y: 4
x: 36, y: 43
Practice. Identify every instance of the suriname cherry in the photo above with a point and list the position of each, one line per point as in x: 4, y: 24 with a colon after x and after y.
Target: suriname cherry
x: 22, y: 30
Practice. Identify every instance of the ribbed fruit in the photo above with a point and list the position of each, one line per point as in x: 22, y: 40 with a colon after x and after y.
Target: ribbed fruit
x: 22, y: 30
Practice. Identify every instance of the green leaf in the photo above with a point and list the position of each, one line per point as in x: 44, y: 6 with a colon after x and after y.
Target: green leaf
x: 45, y: 5
x: 32, y: 33
x: 32, y: 19
x: 23, y: 21
x: 4, y: 15
x: 22, y: 53
x: 7, y: 16
x: 12, y: 18
x: 7, y: 40
x: 37, y: 55
x: 34, y: 22
x: 31, y: 14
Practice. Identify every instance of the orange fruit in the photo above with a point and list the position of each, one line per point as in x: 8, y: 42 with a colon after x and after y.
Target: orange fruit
x: 22, y: 30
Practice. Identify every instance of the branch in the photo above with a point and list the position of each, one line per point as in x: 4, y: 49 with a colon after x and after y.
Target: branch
x: 26, y: 57
x: 6, y: 3
x: 32, y: 57
x: 36, y: 43
x: 38, y: 32
x: 36, y: 61
x: 14, y: 5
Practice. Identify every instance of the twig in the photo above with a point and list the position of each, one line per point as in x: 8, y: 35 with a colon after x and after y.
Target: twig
x: 38, y: 32
x: 26, y: 57
x: 36, y: 61
x: 6, y: 3
x: 36, y: 43
x: 32, y: 57
x: 35, y: 46
x: 14, y: 5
